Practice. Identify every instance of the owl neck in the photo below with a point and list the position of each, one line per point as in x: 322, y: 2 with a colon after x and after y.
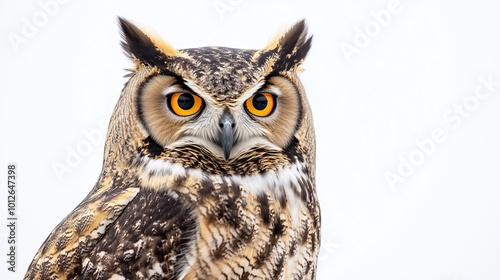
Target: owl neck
x: 191, y: 156
x: 162, y: 174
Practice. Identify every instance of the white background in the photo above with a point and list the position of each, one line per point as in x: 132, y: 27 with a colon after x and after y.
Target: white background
x: 440, y: 221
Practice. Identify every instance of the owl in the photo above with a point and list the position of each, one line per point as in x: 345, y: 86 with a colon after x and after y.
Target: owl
x: 208, y: 170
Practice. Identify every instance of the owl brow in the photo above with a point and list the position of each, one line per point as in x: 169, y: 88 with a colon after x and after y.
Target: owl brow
x: 180, y: 82
x: 268, y: 84
x: 193, y: 87
x: 265, y: 85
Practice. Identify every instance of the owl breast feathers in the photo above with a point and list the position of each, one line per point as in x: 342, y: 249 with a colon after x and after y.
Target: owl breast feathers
x: 208, y: 173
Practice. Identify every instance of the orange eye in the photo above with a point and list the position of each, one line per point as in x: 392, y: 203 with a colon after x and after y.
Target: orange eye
x: 184, y: 104
x: 261, y: 104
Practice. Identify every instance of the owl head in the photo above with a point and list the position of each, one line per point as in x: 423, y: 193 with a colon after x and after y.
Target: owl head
x: 214, y: 108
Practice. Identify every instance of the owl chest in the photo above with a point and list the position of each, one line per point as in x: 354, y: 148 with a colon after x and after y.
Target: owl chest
x: 264, y: 226
x: 244, y: 231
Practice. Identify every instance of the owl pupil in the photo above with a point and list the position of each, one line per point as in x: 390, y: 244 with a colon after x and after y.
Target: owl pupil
x: 186, y: 101
x: 259, y: 102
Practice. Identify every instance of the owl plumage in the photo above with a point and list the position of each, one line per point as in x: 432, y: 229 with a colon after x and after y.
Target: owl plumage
x: 208, y: 173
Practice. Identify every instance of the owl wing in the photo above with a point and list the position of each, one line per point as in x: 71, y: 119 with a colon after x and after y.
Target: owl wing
x: 119, y: 231
x: 63, y: 251
x: 150, y: 240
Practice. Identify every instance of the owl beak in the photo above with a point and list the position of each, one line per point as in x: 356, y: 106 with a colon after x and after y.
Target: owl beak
x: 226, y: 122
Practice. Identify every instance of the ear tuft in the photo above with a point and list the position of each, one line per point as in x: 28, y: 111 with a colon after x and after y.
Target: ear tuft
x: 143, y: 47
x: 291, y: 47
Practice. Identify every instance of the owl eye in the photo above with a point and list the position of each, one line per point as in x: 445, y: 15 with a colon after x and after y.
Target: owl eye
x: 261, y: 104
x: 184, y: 104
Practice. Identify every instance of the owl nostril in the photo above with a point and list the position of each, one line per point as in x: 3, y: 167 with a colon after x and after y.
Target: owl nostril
x: 221, y: 125
x: 226, y: 119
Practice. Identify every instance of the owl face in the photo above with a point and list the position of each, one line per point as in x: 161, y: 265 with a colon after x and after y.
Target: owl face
x: 177, y: 111
x: 226, y: 102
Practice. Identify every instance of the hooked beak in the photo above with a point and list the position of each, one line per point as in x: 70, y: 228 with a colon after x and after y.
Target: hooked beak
x: 226, y: 122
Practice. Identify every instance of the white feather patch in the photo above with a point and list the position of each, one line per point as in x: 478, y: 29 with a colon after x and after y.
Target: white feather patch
x: 276, y: 183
